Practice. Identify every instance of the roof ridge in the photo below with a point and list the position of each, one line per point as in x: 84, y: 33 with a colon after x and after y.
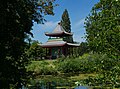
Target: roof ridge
x: 58, y: 28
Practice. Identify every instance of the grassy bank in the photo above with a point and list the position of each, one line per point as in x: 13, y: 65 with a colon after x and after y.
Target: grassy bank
x: 89, y: 69
x: 49, y: 71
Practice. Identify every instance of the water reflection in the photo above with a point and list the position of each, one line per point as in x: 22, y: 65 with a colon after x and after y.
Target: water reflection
x: 43, y: 85
x: 81, y: 87
x: 50, y: 85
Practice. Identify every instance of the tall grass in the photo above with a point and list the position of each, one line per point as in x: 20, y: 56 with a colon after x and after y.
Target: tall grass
x: 41, y: 68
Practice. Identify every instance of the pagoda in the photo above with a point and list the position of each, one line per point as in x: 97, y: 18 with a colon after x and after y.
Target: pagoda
x: 55, y: 46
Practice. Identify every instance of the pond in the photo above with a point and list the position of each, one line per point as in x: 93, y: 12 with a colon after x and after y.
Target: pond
x: 52, y: 85
x: 56, y: 82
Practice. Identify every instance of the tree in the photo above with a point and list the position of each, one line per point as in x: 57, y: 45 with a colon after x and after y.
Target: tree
x: 103, y: 28
x: 103, y: 36
x: 35, y: 51
x: 65, y: 22
x: 83, y: 48
x: 16, y: 20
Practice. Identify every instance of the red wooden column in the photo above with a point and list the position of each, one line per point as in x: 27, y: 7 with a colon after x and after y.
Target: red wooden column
x: 72, y: 51
x: 63, y: 51
x: 46, y: 51
x: 49, y: 53
x: 67, y: 50
x: 59, y: 49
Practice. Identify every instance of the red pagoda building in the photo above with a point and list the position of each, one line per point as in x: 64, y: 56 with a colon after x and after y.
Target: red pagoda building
x: 55, y: 46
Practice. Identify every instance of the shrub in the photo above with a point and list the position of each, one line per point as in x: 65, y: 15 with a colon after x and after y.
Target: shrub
x: 108, y: 70
x: 88, y: 63
x: 41, y: 68
x: 68, y: 66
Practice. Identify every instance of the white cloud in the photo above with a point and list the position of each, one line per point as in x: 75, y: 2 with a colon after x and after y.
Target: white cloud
x: 79, y: 30
x: 79, y: 35
x: 49, y: 25
x: 46, y: 26
x: 80, y: 23
x: 78, y: 38
x: 39, y: 29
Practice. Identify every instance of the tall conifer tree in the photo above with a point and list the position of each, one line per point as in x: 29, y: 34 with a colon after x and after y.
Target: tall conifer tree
x: 66, y: 24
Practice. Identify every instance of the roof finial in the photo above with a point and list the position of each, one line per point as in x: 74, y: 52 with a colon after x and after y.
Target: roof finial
x: 59, y: 23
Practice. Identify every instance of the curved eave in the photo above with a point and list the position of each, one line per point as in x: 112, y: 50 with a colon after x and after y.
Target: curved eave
x: 58, y: 34
x: 73, y: 45
x: 70, y: 34
x: 58, y: 44
x: 54, y: 34
x: 53, y: 44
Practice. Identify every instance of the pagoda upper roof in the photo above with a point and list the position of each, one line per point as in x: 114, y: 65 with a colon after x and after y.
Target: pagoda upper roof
x: 58, y: 32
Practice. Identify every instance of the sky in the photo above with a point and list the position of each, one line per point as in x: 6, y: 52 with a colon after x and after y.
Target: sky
x: 77, y: 10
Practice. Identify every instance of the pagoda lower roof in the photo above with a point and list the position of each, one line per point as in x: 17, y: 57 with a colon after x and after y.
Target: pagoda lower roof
x: 51, y: 44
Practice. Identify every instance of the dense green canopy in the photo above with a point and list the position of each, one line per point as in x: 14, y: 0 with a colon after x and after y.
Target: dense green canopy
x: 16, y: 20
x: 103, y: 36
x: 103, y: 27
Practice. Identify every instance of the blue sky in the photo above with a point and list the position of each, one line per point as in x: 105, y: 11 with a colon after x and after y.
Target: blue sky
x: 77, y: 9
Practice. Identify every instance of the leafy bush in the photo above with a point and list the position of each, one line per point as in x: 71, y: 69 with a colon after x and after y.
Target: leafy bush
x: 42, y: 68
x: 88, y: 63
x: 108, y: 70
x: 83, y: 64
x: 35, y: 52
x: 69, y: 65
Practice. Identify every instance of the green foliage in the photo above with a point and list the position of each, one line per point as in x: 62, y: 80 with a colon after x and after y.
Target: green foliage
x: 69, y: 66
x: 83, y: 48
x: 107, y: 69
x: 89, y: 63
x: 65, y: 22
x: 78, y: 65
x: 103, y: 28
x: 35, y: 51
x: 16, y: 20
x: 103, y: 36
x: 41, y: 68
